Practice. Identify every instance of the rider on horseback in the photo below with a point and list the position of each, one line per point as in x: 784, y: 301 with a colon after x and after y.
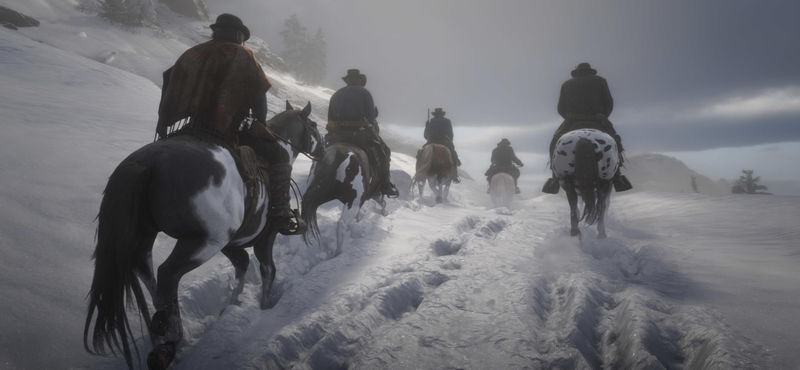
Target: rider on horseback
x: 439, y: 130
x: 213, y: 87
x: 503, y: 160
x: 586, y: 102
x: 351, y: 116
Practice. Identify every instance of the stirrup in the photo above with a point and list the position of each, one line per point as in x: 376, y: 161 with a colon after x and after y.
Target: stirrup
x: 622, y: 184
x: 390, y: 191
x: 456, y: 179
x: 296, y: 225
x: 551, y: 186
x: 516, y: 190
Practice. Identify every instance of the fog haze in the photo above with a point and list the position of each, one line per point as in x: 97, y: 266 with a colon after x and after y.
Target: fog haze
x: 686, y: 76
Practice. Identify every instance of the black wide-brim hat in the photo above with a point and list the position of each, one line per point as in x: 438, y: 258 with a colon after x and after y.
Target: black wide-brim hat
x: 504, y: 141
x: 231, y: 21
x: 352, y: 73
x: 583, y: 68
x: 438, y: 112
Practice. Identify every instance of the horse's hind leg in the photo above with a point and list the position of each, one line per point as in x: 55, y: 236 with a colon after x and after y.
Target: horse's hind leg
x: 382, y: 202
x: 240, y: 260
x: 263, y: 251
x: 144, y: 268
x: 604, y: 198
x: 187, y: 255
x: 572, y: 198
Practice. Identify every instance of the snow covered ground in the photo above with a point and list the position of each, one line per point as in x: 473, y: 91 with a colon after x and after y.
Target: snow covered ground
x: 684, y: 281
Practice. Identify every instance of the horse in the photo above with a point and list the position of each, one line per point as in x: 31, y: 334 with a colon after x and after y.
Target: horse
x: 585, y: 161
x: 502, y: 189
x: 434, y: 165
x: 191, y: 190
x: 344, y: 173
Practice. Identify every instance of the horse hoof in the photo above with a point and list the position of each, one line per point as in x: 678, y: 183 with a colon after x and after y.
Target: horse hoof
x: 575, y: 232
x: 602, y: 236
x: 159, y: 323
x: 161, y: 356
x: 438, y: 200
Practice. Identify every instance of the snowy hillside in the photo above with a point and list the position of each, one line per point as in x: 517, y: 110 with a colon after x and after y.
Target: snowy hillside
x: 657, y: 172
x: 685, y: 281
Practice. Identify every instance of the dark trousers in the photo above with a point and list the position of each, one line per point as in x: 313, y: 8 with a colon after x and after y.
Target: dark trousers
x: 509, y: 169
x: 449, y: 144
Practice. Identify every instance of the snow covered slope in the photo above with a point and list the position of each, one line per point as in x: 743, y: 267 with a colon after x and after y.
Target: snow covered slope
x: 684, y: 281
x: 658, y: 172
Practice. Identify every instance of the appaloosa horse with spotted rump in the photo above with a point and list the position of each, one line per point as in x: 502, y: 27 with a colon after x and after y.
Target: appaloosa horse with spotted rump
x: 191, y: 190
x: 585, y: 161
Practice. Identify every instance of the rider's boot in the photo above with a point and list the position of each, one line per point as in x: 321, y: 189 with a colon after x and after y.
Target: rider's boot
x: 456, y: 179
x: 280, y: 214
x: 551, y: 186
x: 387, y: 188
x: 516, y: 187
x: 621, y: 182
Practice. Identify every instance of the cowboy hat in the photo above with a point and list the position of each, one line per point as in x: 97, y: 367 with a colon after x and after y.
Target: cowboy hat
x: 583, y: 69
x: 231, y: 21
x: 352, y: 73
x: 438, y: 112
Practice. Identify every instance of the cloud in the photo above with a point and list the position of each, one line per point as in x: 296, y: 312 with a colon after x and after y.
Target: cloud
x: 764, y: 103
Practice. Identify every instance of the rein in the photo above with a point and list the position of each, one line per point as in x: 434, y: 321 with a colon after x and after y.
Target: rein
x: 303, y: 152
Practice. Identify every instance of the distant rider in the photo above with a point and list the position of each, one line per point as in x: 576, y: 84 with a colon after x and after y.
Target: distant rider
x: 586, y: 102
x: 214, y: 86
x: 439, y: 130
x: 351, y: 115
x: 503, y: 160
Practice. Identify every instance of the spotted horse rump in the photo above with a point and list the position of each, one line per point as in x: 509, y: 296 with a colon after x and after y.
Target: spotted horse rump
x: 605, y: 148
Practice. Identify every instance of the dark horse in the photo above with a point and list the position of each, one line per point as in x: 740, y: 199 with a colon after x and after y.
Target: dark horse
x: 191, y: 190
x: 344, y: 174
x: 585, y: 161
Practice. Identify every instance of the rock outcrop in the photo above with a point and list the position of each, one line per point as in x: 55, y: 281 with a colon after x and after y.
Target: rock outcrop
x: 13, y: 19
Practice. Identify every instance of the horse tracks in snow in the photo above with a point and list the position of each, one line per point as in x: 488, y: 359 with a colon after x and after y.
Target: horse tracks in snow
x: 461, y: 287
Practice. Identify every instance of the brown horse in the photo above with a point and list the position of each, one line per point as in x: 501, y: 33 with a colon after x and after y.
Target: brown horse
x: 434, y: 165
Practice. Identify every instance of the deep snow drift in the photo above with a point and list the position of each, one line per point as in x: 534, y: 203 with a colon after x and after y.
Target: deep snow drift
x: 684, y: 281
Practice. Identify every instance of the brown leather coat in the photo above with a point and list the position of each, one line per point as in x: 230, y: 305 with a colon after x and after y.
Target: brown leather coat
x: 215, y: 83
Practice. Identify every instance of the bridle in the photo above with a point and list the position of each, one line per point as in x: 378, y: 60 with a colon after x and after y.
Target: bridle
x: 306, y: 141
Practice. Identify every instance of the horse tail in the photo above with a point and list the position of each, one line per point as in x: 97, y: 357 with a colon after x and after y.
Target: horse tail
x: 119, y: 238
x: 587, y: 175
x: 319, y: 192
x: 424, y: 162
x: 442, y: 163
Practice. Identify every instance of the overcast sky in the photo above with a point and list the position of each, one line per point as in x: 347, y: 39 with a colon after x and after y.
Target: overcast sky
x: 686, y: 75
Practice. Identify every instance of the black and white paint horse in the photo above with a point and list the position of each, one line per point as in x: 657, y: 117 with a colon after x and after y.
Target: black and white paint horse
x: 344, y: 174
x: 434, y: 166
x: 585, y: 162
x: 192, y: 191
